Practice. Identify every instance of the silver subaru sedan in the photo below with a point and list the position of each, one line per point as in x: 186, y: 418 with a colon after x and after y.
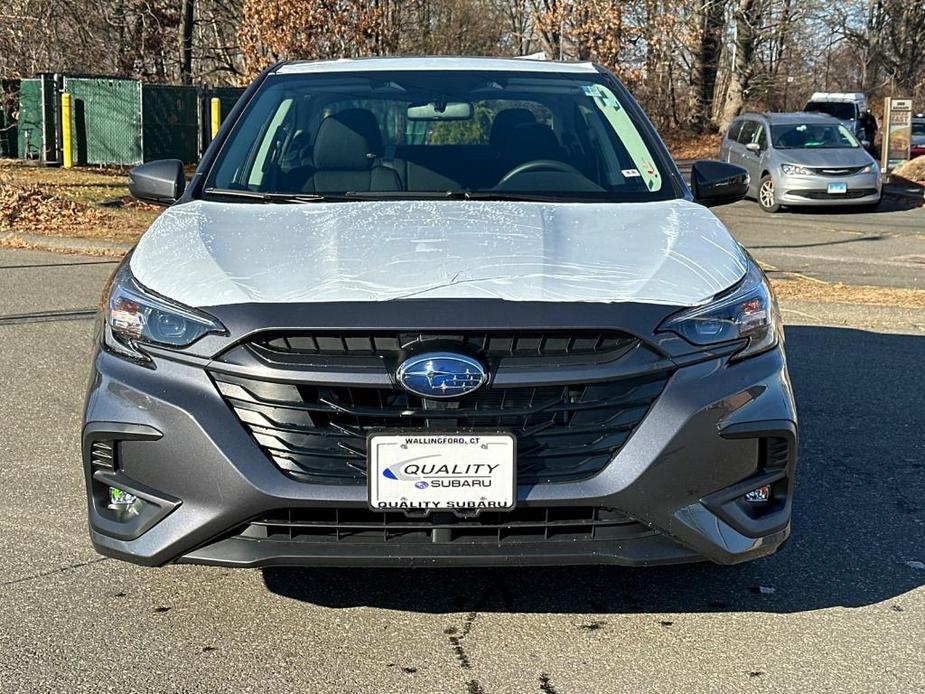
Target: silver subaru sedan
x: 802, y: 159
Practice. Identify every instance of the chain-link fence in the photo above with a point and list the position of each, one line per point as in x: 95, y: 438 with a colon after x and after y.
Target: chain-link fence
x: 114, y: 121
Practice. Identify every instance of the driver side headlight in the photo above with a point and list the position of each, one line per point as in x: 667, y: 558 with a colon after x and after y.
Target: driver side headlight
x: 134, y: 316
x: 749, y: 312
x: 796, y: 170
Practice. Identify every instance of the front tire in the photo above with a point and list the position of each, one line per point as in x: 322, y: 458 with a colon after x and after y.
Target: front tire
x: 767, y: 199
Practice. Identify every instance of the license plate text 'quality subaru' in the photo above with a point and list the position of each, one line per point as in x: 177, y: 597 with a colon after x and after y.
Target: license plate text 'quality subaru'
x: 462, y: 472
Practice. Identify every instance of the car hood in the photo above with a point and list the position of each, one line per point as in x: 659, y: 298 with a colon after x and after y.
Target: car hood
x: 205, y: 253
x: 826, y: 157
x: 918, y: 140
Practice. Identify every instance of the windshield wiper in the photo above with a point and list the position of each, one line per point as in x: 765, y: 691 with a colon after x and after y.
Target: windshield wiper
x: 462, y: 195
x: 530, y: 197
x: 274, y: 197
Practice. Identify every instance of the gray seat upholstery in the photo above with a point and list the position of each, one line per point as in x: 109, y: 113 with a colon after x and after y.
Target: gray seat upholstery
x: 347, y: 154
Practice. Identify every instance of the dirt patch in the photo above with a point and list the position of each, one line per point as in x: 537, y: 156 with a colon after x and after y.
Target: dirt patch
x: 683, y: 145
x: 823, y: 292
x: 913, y: 170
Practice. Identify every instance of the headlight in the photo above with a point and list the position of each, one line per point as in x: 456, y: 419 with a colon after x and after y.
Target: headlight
x: 748, y: 312
x: 795, y: 170
x: 134, y: 317
x: 870, y: 168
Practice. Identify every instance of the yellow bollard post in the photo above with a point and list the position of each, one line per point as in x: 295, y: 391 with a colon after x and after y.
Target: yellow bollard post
x: 215, y: 108
x: 67, y: 142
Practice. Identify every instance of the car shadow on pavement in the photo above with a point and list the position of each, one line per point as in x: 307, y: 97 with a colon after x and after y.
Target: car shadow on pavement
x: 858, y: 527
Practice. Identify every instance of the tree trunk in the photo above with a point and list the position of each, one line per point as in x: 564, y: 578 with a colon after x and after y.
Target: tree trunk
x: 747, y: 16
x: 709, y: 14
x: 186, y: 41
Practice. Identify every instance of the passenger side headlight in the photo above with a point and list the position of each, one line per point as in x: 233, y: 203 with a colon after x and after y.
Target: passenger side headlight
x: 796, y: 170
x: 748, y: 312
x: 134, y: 317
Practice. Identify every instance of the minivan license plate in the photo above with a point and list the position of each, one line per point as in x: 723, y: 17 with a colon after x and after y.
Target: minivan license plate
x: 838, y: 188
x: 459, y: 472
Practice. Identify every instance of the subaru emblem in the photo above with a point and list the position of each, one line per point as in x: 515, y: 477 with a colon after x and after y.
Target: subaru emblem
x: 441, y: 375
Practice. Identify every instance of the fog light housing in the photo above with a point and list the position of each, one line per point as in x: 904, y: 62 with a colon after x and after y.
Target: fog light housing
x: 761, y: 495
x: 123, y: 502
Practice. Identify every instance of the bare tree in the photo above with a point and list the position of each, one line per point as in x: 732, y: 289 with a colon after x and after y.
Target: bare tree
x: 709, y: 16
x: 747, y: 17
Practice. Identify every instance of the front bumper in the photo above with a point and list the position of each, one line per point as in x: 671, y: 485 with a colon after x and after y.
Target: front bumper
x: 680, y: 477
x: 862, y: 189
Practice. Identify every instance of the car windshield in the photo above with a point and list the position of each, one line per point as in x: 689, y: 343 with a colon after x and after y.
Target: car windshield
x: 843, y: 110
x: 438, y: 133
x: 918, y: 127
x: 812, y: 136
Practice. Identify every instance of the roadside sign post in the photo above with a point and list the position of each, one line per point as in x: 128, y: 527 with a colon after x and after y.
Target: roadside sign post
x: 897, y: 133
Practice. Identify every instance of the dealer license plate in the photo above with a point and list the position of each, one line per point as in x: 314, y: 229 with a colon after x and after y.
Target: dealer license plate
x: 460, y: 472
x: 838, y: 188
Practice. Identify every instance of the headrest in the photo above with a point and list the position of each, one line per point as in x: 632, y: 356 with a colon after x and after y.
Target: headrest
x: 532, y: 141
x: 505, y: 122
x: 348, y: 141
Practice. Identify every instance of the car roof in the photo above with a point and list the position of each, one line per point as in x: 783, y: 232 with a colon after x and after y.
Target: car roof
x: 795, y: 117
x: 432, y: 63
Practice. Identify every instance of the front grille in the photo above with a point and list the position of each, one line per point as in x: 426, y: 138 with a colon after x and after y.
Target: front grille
x: 825, y: 195
x: 839, y: 170
x: 318, y: 433
x: 364, y: 526
x: 492, y: 345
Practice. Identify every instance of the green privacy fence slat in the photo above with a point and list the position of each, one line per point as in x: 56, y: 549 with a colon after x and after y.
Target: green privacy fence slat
x: 228, y: 96
x: 29, y: 137
x: 170, y: 119
x: 115, y: 121
x: 106, y: 120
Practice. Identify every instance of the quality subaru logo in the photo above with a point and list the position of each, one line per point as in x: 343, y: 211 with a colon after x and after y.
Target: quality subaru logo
x: 441, y: 375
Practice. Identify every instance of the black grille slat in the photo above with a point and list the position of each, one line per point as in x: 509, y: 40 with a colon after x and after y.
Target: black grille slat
x: 493, y: 344
x: 360, y: 525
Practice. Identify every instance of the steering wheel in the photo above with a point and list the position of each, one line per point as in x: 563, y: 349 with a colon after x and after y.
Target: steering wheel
x: 537, y: 165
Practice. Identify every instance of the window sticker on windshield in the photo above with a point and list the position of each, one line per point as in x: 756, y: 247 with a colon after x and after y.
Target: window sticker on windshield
x: 630, y: 173
x: 610, y: 106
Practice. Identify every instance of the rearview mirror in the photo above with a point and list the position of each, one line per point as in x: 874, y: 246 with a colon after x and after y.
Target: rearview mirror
x: 753, y: 147
x: 718, y: 183
x: 161, y: 182
x: 453, y: 110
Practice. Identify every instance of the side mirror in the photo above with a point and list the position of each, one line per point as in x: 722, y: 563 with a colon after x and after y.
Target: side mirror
x: 718, y: 183
x: 865, y: 144
x: 753, y: 147
x: 161, y: 182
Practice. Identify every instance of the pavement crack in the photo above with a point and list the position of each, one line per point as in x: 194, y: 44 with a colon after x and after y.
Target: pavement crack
x: 46, y: 316
x: 546, y: 685
x: 52, y: 572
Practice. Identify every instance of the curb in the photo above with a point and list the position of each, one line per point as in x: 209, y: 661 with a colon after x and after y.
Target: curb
x: 70, y: 245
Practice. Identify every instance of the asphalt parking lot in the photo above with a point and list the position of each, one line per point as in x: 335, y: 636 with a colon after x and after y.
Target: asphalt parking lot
x: 840, y: 609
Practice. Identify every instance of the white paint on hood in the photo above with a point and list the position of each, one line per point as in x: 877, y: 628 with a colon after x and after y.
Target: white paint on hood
x: 207, y: 253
